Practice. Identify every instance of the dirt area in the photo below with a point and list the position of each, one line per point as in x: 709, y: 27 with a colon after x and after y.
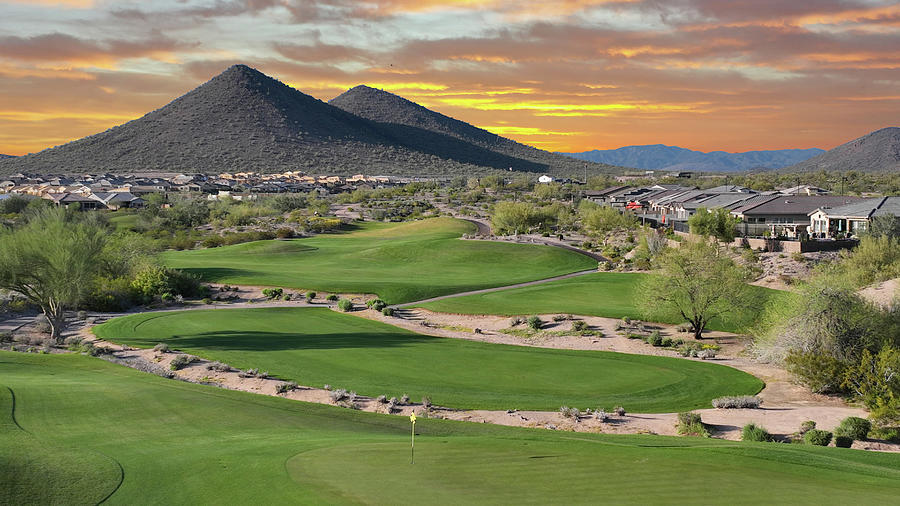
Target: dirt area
x: 780, y: 270
x: 883, y: 294
x: 785, y: 404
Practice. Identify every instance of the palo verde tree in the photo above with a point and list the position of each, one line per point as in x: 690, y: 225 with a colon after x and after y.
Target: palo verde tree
x: 697, y: 283
x: 52, y: 260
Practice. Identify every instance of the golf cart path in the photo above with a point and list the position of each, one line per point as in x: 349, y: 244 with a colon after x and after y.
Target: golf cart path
x: 494, y: 289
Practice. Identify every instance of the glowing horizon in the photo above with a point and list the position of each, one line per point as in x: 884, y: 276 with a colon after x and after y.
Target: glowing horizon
x: 568, y: 75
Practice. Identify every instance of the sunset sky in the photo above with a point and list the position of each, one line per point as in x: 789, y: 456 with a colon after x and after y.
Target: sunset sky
x: 567, y: 75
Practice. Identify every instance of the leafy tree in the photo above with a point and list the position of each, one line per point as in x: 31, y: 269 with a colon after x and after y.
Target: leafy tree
x: 697, y: 283
x: 601, y: 220
x: 718, y: 223
x: 514, y: 217
x: 52, y: 261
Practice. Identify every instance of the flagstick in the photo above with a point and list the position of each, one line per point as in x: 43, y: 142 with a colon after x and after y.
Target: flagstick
x: 412, y: 448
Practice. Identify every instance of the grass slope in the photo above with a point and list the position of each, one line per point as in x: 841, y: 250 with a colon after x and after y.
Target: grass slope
x: 608, y: 294
x: 179, y: 443
x: 399, y: 262
x: 317, y: 346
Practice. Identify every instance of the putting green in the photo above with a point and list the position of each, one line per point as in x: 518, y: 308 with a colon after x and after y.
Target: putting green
x: 401, y: 262
x: 179, y: 443
x: 608, y: 294
x: 317, y: 346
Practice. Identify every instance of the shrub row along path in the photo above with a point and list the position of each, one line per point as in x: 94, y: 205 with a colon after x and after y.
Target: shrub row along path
x: 785, y: 406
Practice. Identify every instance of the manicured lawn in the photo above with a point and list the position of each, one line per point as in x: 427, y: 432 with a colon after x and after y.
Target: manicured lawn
x: 123, y: 220
x: 400, y: 262
x: 94, y: 428
x: 609, y: 294
x: 317, y: 346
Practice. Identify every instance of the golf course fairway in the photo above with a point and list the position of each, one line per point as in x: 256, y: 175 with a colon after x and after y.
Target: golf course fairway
x: 128, y: 437
x: 607, y: 294
x: 400, y: 262
x: 317, y: 346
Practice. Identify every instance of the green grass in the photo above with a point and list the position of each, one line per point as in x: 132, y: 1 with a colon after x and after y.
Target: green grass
x: 123, y: 220
x: 608, y: 294
x: 179, y: 443
x: 317, y: 346
x: 399, y: 262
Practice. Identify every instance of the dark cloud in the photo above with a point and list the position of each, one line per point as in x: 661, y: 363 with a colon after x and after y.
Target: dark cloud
x: 67, y: 48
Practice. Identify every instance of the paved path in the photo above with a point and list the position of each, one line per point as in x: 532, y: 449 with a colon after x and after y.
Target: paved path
x: 495, y: 289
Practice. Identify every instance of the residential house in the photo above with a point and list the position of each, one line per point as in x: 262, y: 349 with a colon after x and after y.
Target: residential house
x: 851, y: 219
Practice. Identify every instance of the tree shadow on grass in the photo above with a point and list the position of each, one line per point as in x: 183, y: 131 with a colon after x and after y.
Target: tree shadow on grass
x: 268, y: 341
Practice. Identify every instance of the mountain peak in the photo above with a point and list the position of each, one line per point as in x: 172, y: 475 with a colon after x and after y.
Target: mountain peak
x: 877, y: 151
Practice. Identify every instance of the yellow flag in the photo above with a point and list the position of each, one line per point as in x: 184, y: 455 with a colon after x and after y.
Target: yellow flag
x: 412, y: 418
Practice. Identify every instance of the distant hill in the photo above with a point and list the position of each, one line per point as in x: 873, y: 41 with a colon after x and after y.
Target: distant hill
x: 244, y: 120
x: 878, y: 151
x: 2, y: 156
x: 393, y: 111
x: 661, y: 157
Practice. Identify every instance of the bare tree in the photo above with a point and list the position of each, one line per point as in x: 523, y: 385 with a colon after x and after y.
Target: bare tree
x: 52, y: 261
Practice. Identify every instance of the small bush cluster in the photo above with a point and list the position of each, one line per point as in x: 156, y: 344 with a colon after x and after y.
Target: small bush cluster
x: 338, y: 395
x: 601, y: 415
x: 854, y: 427
x: 161, y: 348
x: 535, y: 322
x: 817, y: 437
x: 376, y: 304
x: 310, y: 296
x: 701, y: 351
x: 579, y: 325
x: 753, y: 432
x: 218, y: 367
x: 568, y: 412
x: 284, y: 388
x: 889, y: 434
x: 273, y: 293
x: 180, y: 362
x: 345, y: 305
x: 737, y: 402
x: 690, y: 424
x: 331, y: 297
x: 515, y: 321
x: 619, y: 411
x: 404, y: 399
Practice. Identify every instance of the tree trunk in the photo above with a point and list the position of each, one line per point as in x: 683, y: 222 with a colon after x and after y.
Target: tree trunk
x: 698, y: 330
x: 56, y: 317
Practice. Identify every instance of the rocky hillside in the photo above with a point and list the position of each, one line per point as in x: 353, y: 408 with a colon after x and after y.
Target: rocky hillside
x: 393, y: 111
x: 878, y: 151
x: 662, y: 157
x: 245, y: 120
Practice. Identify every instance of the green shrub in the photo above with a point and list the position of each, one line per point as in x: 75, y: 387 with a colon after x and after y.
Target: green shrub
x: 842, y: 441
x: 854, y: 427
x: 822, y: 373
x: 579, y: 325
x: 889, y: 434
x: 331, y: 297
x: 161, y: 347
x: 273, y: 293
x: 345, y: 305
x: 310, y: 296
x: 690, y: 424
x: 388, y: 311
x: 753, y: 432
x: 655, y: 339
x: 807, y: 426
x: 535, y: 322
x: 284, y: 233
x: 817, y: 437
